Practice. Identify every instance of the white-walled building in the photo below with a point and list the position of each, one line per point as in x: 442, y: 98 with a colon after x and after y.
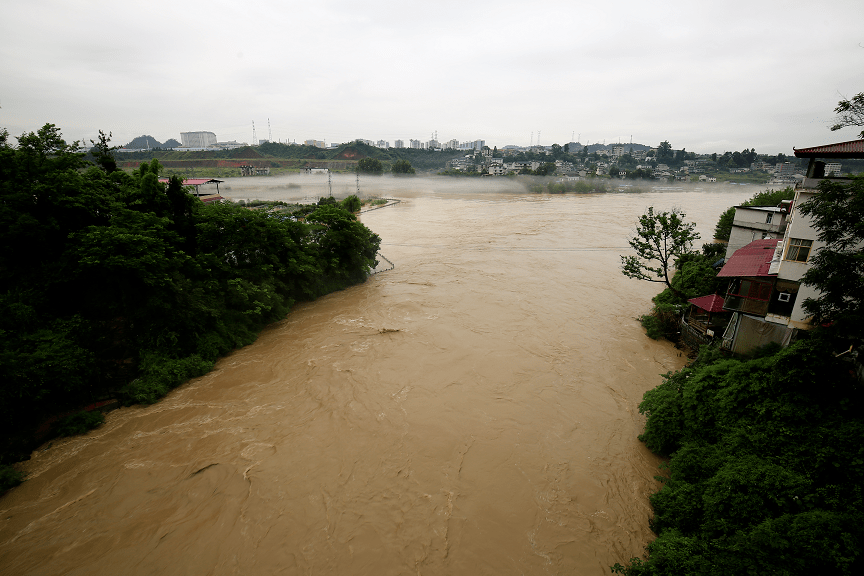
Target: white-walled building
x: 197, y: 139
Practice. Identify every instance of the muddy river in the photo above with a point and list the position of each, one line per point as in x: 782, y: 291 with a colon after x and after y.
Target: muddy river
x: 472, y: 411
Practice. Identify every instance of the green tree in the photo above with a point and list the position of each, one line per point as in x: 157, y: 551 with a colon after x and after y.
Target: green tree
x: 850, y: 112
x: 370, y: 166
x: 837, y: 269
x: 402, y: 167
x: 660, y: 239
x: 351, y: 203
x: 664, y: 151
x: 545, y: 169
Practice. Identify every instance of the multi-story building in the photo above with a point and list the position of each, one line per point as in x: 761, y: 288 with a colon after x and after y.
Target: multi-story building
x: 766, y: 292
x: 399, y: 144
x: 757, y: 223
x: 832, y: 169
x: 197, y: 139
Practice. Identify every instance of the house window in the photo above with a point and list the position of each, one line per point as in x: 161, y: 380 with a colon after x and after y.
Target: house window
x: 769, y: 217
x: 798, y: 250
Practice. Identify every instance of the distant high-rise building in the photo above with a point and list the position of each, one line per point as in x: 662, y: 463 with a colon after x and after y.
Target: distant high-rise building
x: 382, y: 144
x: 197, y: 139
x: 832, y: 168
x: 399, y: 144
x: 415, y: 143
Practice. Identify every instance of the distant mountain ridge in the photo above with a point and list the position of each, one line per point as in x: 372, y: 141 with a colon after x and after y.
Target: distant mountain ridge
x: 147, y: 141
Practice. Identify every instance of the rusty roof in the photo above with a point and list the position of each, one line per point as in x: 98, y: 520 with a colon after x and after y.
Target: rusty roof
x: 851, y: 149
x: 711, y: 303
x: 754, y: 259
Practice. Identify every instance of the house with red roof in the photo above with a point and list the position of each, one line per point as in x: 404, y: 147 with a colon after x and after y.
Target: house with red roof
x: 765, y: 290
x: 705, y: 318
x: 752, y: 294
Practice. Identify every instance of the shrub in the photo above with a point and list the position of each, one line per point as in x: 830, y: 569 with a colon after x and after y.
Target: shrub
x: 79, y: 423
x: 159, y: 375
x: 9, y: 478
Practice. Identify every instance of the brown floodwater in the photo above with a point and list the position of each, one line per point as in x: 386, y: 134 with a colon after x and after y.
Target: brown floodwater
x: 473, y: 411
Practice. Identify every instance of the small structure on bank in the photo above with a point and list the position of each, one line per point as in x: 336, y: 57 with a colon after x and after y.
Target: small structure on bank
x: 704, y: 320
x: 197, y: 183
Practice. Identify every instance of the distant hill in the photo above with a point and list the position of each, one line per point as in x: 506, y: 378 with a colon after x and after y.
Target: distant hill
x: 147, y: 141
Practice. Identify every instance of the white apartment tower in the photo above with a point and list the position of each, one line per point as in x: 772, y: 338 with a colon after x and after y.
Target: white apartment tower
x: 197, y: 139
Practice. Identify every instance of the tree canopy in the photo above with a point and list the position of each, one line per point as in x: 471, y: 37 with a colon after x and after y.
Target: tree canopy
x: 850, y: 112
x: 660, y: 239
x: 113, y: 283
x: 370, y: 166
x: 765, y: 467
x: 402, y: 167
x: 837, y: 270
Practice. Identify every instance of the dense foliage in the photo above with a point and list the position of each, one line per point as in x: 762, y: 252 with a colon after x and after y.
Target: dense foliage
x: 695, y: 275
x: 765, y: 469
x: 837, y: 270
x: 116, y: 284
x: 659, y: 240
x: 402, y: 167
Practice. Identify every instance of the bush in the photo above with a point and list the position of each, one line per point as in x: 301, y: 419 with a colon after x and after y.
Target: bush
x: 765, y: 466
x: 662, y: 322
x: 80, y: 423
x: 159, y: 375
x: 351, y: 203
x: 9, y: 478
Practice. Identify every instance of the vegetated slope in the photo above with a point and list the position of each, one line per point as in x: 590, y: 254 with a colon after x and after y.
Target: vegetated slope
x: 766, y: 465
x: 116, y: 284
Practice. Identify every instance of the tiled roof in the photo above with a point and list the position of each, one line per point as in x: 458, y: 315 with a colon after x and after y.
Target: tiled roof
x: 711, y: 303
x: 851, y: 149
x: 754, y: 259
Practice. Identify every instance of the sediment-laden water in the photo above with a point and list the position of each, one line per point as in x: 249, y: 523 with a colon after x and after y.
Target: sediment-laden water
x: 473, y: 411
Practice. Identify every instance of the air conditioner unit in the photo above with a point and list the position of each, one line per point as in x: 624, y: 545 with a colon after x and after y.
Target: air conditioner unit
x: 784, y: 297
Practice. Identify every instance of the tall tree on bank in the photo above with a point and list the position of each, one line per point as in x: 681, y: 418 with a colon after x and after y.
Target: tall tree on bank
x: 661, y: 238
x: 837, y: 269
x: 850, y: 112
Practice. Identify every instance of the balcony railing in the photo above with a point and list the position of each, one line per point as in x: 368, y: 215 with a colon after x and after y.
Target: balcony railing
x: 746, y: 305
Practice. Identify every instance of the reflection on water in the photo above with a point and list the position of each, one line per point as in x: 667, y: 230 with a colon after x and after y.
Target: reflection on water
x: 473, y: 411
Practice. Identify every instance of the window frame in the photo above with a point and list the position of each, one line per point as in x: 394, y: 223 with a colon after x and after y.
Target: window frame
x: 796, y: 247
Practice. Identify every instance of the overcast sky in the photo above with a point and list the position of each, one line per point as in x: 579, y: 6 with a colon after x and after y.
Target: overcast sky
x: 732, y: 75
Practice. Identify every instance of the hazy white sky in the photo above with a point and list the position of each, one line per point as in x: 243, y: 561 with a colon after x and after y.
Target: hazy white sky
x: 725, y: 76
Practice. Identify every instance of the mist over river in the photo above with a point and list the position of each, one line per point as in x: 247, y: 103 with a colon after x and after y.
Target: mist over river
x: 472, y: 411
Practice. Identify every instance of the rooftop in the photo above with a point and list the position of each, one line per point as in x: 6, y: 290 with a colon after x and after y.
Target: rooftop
x: 754, y: 259
x: 711, y: 303
x: 851, y: 149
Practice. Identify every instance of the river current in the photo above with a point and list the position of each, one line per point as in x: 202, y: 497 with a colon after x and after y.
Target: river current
x: 472, y: 411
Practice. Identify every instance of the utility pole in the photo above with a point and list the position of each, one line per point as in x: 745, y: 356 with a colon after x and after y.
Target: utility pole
x: 269, y: 132
x: 254, y: 137
x: 329, y: 183
x: 358, y: 183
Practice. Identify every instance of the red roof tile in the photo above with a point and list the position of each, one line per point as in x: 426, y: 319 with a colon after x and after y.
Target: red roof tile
x: 851, y: 149
x: 754, y: 259
x: 711, y: 303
